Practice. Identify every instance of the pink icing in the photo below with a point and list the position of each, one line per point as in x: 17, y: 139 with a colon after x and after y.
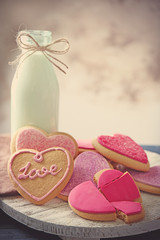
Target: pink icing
x: 120, y: 189
x: 86, y: 144
x: 152, y: 177
x: 86, y: 165
x: 33, y: 173
x: 38, y: 157
x: 124, y: 145
x: 33, y: 152
x: 128, y: 207
x: 107, y: 177
x: 32, y: 138
x: 86, y: 198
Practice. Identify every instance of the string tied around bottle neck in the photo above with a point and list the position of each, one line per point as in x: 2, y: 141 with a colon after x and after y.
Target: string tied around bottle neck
x: 47, y: 50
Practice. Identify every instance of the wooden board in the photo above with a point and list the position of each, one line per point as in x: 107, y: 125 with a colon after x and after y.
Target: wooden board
x: 56, y: 217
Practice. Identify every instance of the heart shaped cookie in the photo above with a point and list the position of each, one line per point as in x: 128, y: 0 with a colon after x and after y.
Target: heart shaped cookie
x: 37, y: 139
x: 147, y: 181
x: 40, y: 176
x: 89, y: 203
x: 129, y: 211
x: 122, y: 149
x: 85, y: 145
x: 117, y: 186
x: 86, y: 165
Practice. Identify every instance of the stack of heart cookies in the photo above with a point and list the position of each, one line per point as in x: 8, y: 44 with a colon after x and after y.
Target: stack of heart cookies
x: 83, y: 173
x: 116, y: 195
x: 41, y: 165
x: 126, y: 155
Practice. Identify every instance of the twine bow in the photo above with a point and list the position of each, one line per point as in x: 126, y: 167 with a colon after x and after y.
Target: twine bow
x: 47, y: 51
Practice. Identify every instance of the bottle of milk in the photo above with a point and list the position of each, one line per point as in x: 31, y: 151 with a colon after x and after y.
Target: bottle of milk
x: 35, y: 90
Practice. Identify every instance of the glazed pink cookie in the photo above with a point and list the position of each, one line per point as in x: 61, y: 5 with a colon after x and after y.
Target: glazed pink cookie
x: 123, y: 150
x: 86, y: 165
x: 85, y: 145
x: 117, y: 186
x: 87, y: 202
x: 147, y: 181
x: 129, y: 211
x: 40, y: 176
x: 34, y: 138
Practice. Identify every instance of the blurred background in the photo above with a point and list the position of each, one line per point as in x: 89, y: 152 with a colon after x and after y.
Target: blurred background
x: 113, y: 81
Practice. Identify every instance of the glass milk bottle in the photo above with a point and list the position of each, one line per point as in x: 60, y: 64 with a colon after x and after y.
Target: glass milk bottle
x: 35, y: 90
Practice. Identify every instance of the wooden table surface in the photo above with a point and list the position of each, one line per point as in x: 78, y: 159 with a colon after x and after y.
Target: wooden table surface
x: 11, y: 229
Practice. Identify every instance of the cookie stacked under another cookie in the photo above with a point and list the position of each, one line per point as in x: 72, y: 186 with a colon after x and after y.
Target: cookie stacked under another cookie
x: 123, y: 150
x: 116, y: 195
x: 41, y: 164
x: 44, y: 166
x: 126, y: 154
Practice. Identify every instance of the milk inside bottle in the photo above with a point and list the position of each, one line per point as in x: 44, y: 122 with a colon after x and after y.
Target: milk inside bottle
x: 35, y: 89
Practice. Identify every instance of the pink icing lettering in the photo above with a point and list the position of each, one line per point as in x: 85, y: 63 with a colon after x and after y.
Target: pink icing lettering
x: 38, y: 157
x: 24, y: 170
x: 33, y: 173
x: 42, y: 173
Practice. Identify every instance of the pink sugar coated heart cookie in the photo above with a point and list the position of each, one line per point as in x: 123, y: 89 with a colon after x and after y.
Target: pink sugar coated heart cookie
x: 86, y: 165
x: 88, y: 202
x: 40, y: 176
x: 147, y: 181
x: 122, y: 149
x: 34, y: 138
x: 118, y: 186
x: 124, y: 145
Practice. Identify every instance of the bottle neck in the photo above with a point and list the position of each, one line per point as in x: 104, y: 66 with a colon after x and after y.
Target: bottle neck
x: 43, y: 38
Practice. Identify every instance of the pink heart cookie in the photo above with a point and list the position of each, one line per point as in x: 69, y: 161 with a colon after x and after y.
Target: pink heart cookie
x: 89, y: 203
x: 129, y: 211
x: 85, y: 145
x: 122, y: 149
x: 34, y: 138
x: 40, y: 176
x: 147, y: 181
x: 117, y: 186
x: 86, y: 165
